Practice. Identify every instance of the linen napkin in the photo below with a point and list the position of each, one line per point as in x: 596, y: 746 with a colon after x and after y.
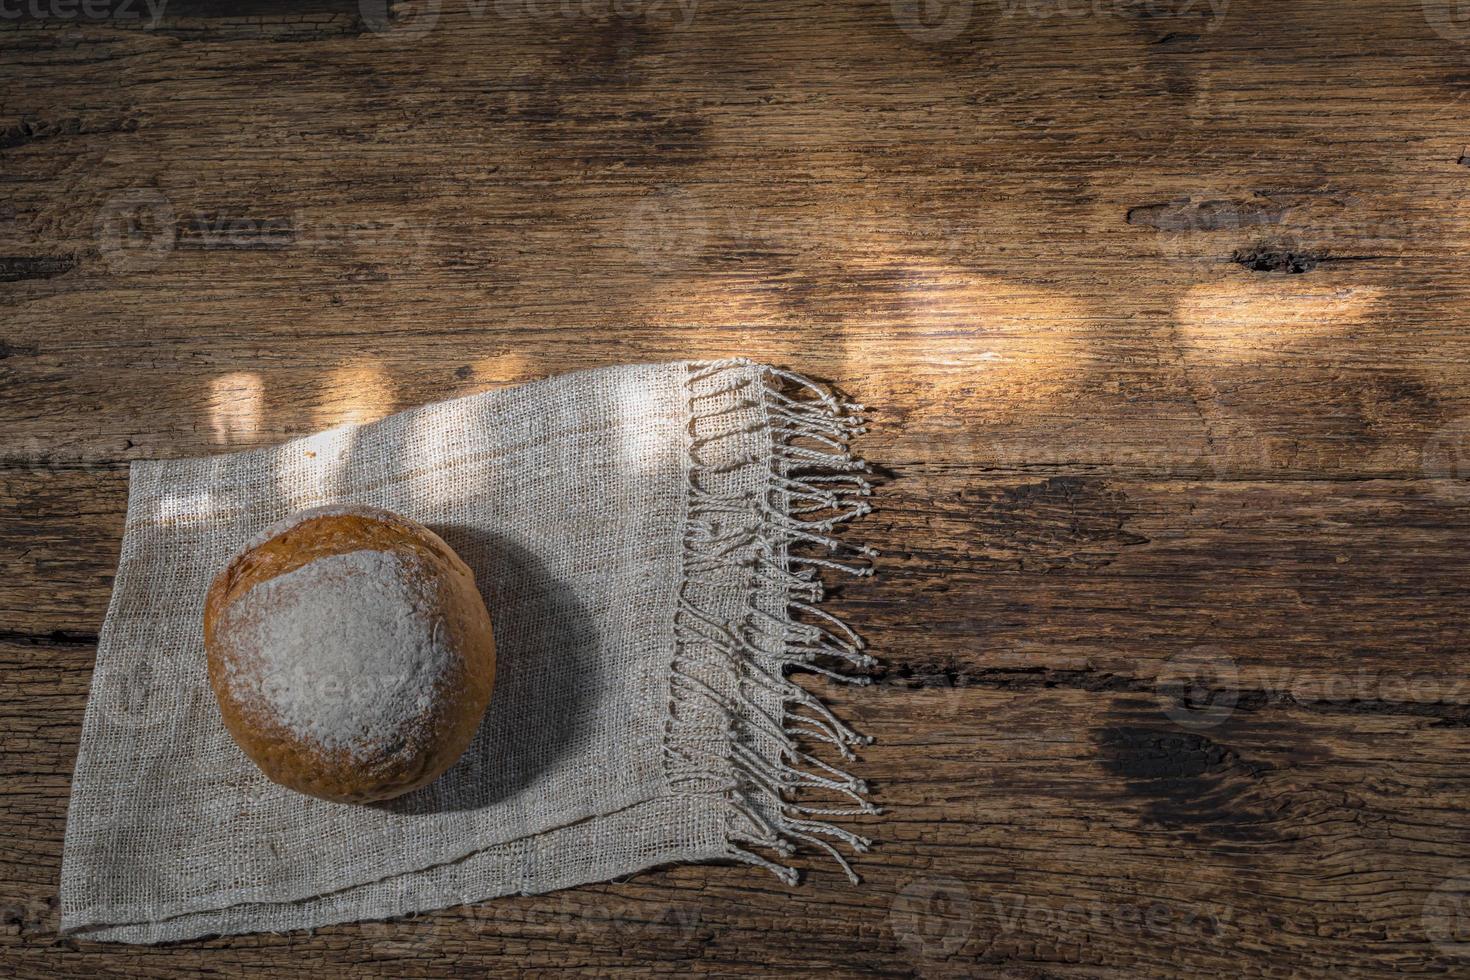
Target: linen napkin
x: 650, y: 541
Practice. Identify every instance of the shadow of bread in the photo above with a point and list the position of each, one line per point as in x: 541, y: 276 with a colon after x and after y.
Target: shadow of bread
x: 544, y: 641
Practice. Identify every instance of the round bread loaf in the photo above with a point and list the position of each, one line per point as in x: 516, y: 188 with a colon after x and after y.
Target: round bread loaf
x: 350, y: 653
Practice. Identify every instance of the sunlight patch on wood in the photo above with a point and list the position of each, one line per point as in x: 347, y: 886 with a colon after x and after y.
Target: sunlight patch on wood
x: 1246, y: 322
x: 355, y: 393
x: 236, y: 407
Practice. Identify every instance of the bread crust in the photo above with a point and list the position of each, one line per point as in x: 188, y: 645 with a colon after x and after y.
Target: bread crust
x: 423, y: 752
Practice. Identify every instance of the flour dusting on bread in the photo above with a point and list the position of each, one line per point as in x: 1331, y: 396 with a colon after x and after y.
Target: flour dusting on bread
x: 346, y: 652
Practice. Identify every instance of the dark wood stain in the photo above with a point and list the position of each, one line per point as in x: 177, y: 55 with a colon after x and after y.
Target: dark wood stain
x: 1187, y: 780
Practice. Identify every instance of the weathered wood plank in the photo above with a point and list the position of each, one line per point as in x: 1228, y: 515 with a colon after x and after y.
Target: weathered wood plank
x: 997, y: 395
x: 1052, y: 830
x: 62, y: 532
x: 1349, y: 593
x: 1013, y: 273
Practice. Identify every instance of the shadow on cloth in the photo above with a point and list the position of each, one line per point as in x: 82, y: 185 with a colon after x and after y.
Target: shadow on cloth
x: 545, y: 642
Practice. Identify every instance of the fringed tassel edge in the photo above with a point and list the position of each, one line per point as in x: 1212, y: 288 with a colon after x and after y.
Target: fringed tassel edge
x: 814, y: 485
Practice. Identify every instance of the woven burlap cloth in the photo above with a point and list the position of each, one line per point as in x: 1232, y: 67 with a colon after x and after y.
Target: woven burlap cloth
x: 650, y: 541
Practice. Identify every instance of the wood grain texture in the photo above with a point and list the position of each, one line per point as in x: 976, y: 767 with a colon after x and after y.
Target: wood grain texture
x: 1161, y: 309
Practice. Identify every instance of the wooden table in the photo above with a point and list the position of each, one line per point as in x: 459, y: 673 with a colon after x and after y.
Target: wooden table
x: 1161, y: 308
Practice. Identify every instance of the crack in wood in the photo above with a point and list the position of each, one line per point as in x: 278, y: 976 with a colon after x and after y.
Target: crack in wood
x: 208, y: 20
x: 34, y: 130
x: 1091, y: 680
x: 1214, y: 214
x: 13, y: 350
x: 214, y: 232
x: 55, y: 638
x: 15, y: 268
x: 1261, y: 258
